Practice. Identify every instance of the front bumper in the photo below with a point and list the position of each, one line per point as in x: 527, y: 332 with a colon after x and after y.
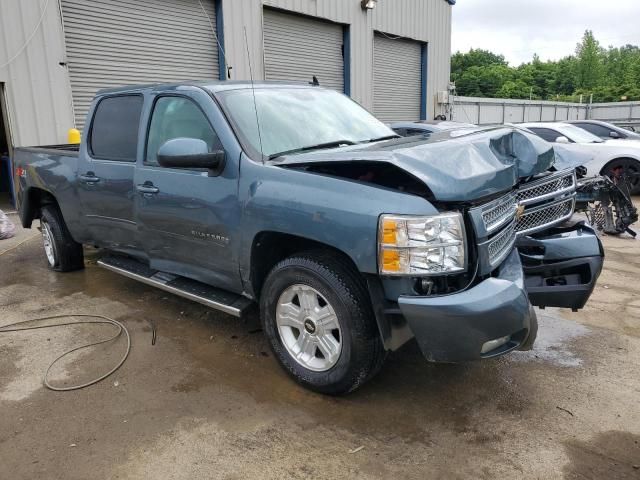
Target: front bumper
x: 561, y: 266
x: 454, y: 328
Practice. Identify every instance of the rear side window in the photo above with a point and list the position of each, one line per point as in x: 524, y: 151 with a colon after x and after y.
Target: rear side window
x: 114, y: 131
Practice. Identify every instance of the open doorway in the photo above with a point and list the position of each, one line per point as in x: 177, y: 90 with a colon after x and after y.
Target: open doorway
x: 6, y: 169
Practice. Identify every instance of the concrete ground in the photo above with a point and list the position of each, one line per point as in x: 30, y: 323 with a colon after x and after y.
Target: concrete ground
x: 210, y: 401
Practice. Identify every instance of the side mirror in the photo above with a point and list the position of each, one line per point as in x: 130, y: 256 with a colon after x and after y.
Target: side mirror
x: 190, y: 153
x: 614, y: 134
x: 562, y: 139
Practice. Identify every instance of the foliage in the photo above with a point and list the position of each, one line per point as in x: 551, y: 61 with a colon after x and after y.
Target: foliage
x: 609, y: 74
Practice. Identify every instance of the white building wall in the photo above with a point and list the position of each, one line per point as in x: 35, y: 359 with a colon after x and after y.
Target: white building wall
x: 37, y: 88
x: 424, y: 20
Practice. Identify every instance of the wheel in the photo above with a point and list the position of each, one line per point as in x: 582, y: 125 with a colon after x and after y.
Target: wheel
x: 625, y: 168
x: 317, y: 316
x: 62, y: 252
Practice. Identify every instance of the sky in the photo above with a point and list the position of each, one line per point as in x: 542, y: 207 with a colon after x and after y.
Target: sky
x: 551, y: 28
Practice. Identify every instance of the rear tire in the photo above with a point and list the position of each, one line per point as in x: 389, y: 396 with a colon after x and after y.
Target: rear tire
x: 62, y: 252
x: 300, y: 296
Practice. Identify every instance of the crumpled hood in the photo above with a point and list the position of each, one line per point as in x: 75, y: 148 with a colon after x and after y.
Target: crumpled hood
x: 455, y: 165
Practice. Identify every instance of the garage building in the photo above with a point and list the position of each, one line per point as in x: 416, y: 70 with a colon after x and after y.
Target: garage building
x: 391, y: 56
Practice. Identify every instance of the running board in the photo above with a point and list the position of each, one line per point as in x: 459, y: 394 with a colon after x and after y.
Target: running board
x: 222, y: 300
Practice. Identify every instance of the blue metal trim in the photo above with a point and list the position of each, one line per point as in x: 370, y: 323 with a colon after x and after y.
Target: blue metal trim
x: 346, y: 58
x: 451, y: 2
x: 222, y: 64
x: 424, y: 62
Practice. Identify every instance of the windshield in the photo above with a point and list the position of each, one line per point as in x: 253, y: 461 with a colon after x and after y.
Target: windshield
x: 297, y: 118
x: 578, y: 135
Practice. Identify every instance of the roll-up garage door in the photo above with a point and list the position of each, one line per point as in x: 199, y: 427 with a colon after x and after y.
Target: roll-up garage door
x: 397, y: 79
x: 122, y: 42
x: 296, y: 48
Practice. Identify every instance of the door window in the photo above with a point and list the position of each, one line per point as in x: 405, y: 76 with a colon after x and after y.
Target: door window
x: 547, y: 134
x: 178, y: 117
x: 597, y: 130
x: 114, y: 131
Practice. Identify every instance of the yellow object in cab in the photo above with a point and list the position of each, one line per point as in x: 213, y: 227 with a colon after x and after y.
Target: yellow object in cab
x: 73, y: 136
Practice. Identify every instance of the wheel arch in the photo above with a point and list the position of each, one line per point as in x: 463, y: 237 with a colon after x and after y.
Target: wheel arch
x: 34, y: 199
x: 618, y: 159
x: 270, y: 247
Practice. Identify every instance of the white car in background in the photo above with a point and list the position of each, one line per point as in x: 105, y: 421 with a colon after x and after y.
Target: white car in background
x: 604, y: 130
x: 610, y: 157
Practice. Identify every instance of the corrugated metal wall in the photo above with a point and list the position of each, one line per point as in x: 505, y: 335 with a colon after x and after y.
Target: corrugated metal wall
x: 397, y: 77
x: 298, y: 48
x: 112, y: 43
x: 427, y: 21
x: 492, y: 111
x: 37, y: 87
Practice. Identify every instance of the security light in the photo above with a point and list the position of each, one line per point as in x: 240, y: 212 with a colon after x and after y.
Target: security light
x: 368, y: 4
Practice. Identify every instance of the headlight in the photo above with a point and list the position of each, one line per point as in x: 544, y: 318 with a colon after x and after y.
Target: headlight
x: 433, y: 245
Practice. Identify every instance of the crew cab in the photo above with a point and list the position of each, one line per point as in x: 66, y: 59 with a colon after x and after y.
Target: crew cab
x: 349, y: 238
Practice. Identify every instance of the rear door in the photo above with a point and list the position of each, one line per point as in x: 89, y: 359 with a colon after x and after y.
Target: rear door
x: 105, y: 172
x: 188, y: 220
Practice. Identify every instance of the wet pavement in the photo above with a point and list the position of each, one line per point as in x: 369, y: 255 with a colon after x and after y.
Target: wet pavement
x: 210, y: 401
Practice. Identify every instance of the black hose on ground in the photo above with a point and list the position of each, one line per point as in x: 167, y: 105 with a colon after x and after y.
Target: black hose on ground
x: 14, y: 327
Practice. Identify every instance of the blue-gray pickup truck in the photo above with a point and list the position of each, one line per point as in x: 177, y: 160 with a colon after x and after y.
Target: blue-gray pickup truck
x: 350, y: 239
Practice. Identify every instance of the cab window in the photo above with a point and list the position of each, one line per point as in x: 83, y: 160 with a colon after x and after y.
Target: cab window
x: 177, y: 117
x: 114, y: 130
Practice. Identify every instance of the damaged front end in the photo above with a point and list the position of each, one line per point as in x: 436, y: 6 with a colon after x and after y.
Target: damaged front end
x: 520, y: 251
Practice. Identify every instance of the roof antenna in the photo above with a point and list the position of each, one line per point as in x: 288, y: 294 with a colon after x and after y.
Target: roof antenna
x: 253, y: 91
x: 314, y: 81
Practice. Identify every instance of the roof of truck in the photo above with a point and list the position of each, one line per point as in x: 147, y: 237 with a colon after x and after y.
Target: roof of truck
x: 211, y: 85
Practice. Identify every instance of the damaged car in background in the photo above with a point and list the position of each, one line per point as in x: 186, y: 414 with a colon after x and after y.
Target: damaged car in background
x: 349, y: 238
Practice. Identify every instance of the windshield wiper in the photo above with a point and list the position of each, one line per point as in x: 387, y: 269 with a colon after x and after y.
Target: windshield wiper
x: 380, y: 139
x: 319, y: 146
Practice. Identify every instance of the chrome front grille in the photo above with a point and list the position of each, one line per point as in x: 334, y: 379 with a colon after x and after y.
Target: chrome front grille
x: 501, y: 244
x: 541, y: 217
x: 495, y: 214
x: 535, y: 206
x: 551, y: 186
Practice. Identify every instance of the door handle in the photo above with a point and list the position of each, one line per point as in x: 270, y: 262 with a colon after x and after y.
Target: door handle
x: 89, y: 177
x: 147, y: 188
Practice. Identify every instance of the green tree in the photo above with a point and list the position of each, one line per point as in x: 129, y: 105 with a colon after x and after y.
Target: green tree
x: 590, y: 62
x: 609, y: 74
x: 461, y: 62
x: 514, y: 89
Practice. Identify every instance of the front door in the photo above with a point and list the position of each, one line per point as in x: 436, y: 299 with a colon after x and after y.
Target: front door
x: 106, y: 168
x: 188, y: 219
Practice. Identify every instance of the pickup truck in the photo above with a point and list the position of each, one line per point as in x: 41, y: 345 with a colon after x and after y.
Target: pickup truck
x: 349, y: 238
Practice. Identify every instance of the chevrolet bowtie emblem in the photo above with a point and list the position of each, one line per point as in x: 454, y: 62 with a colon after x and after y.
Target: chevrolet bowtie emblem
x: 519, y: 212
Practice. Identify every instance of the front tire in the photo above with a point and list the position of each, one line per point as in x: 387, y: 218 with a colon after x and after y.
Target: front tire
x: 317, y: 316
x: 62, y: 252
